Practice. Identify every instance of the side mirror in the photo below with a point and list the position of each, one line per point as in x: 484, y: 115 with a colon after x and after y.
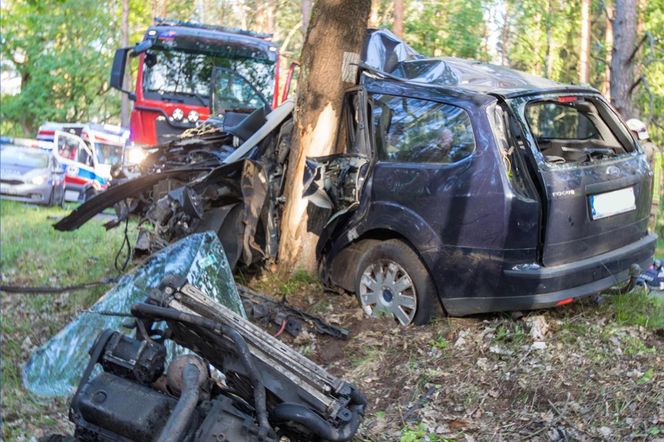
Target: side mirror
x: 118, y: 69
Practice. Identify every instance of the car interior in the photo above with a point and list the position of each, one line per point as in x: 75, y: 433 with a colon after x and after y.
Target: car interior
x: 574, y: 130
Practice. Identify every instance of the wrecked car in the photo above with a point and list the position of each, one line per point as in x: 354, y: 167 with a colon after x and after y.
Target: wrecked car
x: 479, y: 187
x: 460, y: 183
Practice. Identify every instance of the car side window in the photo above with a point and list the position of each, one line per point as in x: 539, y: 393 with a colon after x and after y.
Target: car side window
x: 412, y: 130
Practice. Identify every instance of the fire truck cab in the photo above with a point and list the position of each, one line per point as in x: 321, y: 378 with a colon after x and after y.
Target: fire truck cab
x: 176, y: 65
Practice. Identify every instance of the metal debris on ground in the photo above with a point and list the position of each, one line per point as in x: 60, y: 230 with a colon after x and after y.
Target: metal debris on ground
x: 233, y: 381
x: 288, y: 318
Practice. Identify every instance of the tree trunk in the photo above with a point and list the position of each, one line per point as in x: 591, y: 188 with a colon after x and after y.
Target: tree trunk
x: 584, y: 56
x: 622, y: 68
x: 608, y: 42
x: 505, y: 36
x: 334, y: 41
x: 548, y: 63
x: 306, y: 15
x: 124, y: 41
x: 397, y: 27
x: 271, y: 14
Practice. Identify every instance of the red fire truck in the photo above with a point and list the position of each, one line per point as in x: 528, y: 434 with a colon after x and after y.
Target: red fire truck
x: 178, y: 62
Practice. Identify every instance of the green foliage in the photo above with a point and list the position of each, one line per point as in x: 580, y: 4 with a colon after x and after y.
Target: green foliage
x: 60, y: 50
x: 650, y: 94
x: 440, y: 343
x: 455, y: 27
x: 647, y: 377
x: 419, y: 433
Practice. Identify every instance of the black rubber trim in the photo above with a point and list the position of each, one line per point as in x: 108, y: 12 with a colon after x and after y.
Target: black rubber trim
x: 645, y: 245
x: 470, y: 306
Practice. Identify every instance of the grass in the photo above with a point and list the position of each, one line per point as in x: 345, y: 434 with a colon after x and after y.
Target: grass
x: 32, y: 253
x: 637, y: 308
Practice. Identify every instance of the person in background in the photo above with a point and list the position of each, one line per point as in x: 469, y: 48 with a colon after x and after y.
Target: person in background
x: 640, y: 132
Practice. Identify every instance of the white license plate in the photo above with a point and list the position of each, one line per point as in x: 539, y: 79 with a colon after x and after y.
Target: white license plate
x: 71, y: 195
x: 612, y: 203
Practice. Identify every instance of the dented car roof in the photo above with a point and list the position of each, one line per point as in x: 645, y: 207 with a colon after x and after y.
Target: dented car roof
x: 384, y: 53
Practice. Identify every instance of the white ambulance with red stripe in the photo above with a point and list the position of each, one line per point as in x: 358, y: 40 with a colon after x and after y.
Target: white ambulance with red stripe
x: 89, y: 151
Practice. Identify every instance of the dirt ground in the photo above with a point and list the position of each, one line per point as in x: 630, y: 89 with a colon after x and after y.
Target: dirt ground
x: 586, y: 371
x: 574, y: 373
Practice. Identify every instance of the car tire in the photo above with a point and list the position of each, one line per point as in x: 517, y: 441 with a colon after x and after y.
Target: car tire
x: 62, y: 202
x: 392, y: 279
x: 89, y: 193
x: 51, y: 198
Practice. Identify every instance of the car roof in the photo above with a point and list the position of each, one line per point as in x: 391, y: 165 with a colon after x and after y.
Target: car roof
x: 26, y: 143
x: 474, y: 77
x: 386, y: 55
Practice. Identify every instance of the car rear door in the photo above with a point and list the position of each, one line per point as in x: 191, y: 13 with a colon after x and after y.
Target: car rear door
x: 596, y: 185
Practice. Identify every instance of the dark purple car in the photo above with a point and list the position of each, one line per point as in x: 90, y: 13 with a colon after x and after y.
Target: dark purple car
x: 481, y: 187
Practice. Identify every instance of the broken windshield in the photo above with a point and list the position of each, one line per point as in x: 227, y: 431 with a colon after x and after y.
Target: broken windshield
x: 54, y: 369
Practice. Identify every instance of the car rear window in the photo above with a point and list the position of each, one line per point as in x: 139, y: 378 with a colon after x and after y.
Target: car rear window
x: 576, y: 129
x: 420, y: 131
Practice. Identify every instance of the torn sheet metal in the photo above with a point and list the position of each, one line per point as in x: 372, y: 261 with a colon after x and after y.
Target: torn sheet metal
x: 55, y: 367
x: 193, y: 185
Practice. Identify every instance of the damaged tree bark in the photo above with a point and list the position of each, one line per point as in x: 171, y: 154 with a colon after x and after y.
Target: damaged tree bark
x: 332, y: 47
x: 622, y: 67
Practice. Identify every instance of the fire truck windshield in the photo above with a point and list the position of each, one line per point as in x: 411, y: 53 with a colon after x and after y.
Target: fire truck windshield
x: 176, y: 75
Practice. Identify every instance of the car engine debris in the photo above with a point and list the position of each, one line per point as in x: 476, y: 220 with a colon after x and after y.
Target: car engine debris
x: 237, y: 383
x: 292, y: 320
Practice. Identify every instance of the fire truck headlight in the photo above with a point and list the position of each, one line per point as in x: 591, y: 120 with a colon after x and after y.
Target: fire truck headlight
x: 177, y: 114
x: 193, y: 116
x: 135, y: 156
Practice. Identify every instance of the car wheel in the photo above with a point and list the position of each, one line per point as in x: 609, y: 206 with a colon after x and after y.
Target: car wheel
x: 391, y: 280
x: 62, y: 202
x: 51, y: 198
x: 89, y: 193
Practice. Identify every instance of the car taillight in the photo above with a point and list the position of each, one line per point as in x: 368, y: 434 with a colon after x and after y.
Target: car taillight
x: 564, y: 301
x: 566, y: 99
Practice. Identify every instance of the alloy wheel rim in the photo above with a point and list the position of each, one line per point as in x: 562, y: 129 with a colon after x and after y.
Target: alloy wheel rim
x: 386, y: 288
